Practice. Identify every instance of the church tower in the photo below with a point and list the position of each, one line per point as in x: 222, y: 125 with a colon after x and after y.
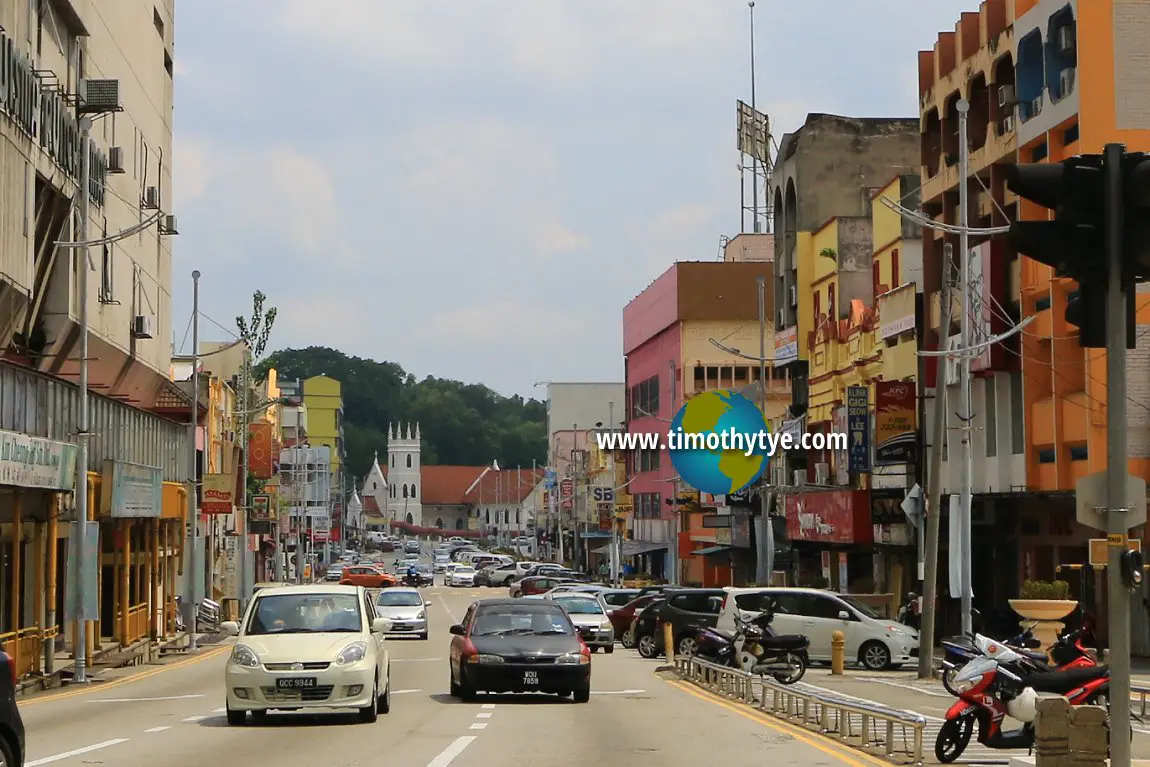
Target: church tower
x: 404, y: 491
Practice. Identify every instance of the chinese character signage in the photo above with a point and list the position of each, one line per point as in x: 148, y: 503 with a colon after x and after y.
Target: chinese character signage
x: 895, y: 421
x: 260, y: 450
x: 858, y: 429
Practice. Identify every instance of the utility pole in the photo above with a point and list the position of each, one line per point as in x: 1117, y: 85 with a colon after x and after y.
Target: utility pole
x: 965, y: 544
x: 755, y: 160
x: 242, y: 508
x: 1116, y: 458
x: 933, y: 506
x: 80, y: 641
x: 194, y: 490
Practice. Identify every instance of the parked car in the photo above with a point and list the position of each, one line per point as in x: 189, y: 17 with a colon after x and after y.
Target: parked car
x: 534, y: 584
x: 647, y: 629
x: 460, y: 575
x: 872, y: 640
x: 618, y: 597
x: 441, y: 562
x: 11, y: 747
x: 278, y: 660
x: 536, y: 644
x: 623, y: 618
x: 589, y: 615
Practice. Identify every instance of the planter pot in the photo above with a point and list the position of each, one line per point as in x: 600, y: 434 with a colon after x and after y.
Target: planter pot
x: 1044, y: 616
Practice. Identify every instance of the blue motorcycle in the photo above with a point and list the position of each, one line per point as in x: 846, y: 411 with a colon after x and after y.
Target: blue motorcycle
x: 960, y: 650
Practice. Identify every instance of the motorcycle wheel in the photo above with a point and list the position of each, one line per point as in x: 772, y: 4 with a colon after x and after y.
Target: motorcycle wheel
x: 798, y: 669
x: 948, y: 676
x: 953, y: 738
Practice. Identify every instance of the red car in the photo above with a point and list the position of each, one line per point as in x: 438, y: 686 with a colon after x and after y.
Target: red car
x: 622, y: 617
x: 535, y: 584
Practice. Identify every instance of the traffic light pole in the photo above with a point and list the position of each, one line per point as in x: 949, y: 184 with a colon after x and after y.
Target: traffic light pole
x: 1118, y: 601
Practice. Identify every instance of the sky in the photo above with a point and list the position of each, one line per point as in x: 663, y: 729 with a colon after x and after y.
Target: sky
x: 475, y: 189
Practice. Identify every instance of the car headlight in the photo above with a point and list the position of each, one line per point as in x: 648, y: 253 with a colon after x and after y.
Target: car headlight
x: 484, y: 658
x: 353, y: 653
x: 421, y: 616
x: 966, y: 685
x: 605, y: 626
x: 242, y: 655
x: 572, y: 659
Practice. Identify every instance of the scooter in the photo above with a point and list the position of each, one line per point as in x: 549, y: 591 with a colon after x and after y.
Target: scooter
x: 1068, y: 652
x: 755, y: 648
x: 988, y: 690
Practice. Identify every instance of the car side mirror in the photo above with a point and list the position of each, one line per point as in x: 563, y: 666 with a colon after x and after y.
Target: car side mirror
x: 380, y: 626
x: 456, y: 630
x: 231, y: 628
x: 427, y: 604
x: 844, y: 615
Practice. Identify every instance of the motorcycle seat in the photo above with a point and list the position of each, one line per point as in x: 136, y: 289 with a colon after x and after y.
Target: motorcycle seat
x: 785, y: 642
x: 1064, y: 681
x: 1033, y: 655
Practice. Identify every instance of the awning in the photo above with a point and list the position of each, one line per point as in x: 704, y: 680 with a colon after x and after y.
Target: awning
x: 710, y: 550
x: 632, y: 548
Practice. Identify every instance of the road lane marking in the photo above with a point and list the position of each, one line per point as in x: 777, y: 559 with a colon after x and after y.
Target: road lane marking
x: 447, y: 755
x: 405, y: 692
x: 193, y: 719
x: 479, y: 726
x: 617, y: 692
x: 141, y: 700
x: 102, y: 686
x: 159, y: 729
x: 488, y: 705
x: 75, y: 752
x: 813, y: 739
x: 483, y: 716
x: 220, y: 710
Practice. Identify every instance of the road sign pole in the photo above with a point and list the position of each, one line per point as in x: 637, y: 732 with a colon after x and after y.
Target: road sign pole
x: 1119, y: 597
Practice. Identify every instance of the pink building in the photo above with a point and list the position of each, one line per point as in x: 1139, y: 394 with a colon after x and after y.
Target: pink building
x: 667, y: 330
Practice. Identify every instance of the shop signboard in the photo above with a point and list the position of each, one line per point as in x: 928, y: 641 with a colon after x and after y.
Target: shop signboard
x: 219, y: 494
x: 786, y: 346
x: 37, y: 463
x: 131, y: 491
x: 858, y: 428
x: 260, y: 450
x: 567, y: 493
x: 741, y: 529
x: 262, y: 509
x: 895, y: 421
x: 838, y: 516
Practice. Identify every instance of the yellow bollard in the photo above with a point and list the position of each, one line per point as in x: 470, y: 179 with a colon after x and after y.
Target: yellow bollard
x: 838, y: 651
x: 669, y: 641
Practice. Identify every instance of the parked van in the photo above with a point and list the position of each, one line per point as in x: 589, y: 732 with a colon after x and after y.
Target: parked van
x: 871, y: 640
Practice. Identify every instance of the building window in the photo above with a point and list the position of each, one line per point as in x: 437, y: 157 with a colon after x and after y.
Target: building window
x: 876, y: 276
x: 1017, y: 430
x: 405, y: 491
x: 1080, y: 453
x: 487, y: 517
x: 831, y: 303
x: 818, y: 308
x: 1046, y: 456
x: 412, y: 489
x: 991, y: 392
x: 409, y: 461
x: 158, y: 21
x: 393, y: 462
x: 645, y: 398
x: 517, y: 512
x: 648, y: 460
x: 106, y: 282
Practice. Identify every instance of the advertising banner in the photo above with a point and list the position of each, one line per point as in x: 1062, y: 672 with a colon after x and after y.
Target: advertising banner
x: 219, y: 494
x: 838, y: 516
x: 33, y: 462
x: 567, y: 493
x: 262, y: 509
x: 260, y: 450
x: 895, y: 421
x: 131, y: 491
x: 858, y: 428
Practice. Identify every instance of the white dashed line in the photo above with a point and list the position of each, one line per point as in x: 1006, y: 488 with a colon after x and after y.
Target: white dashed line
x: 488, y: 705
x: 617, y: 692
x: 219, y: 710
x: 404, y: 692
x: 193, y: 719
x: 483, y: 716
x: 159, y: 729
x: 447, y: 755
x: 479, y: 726
x: 77, y: 752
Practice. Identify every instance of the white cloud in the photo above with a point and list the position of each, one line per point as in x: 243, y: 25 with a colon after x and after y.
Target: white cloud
x: 553, y: 238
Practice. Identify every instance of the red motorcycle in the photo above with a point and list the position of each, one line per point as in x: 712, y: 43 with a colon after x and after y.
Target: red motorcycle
x: 988, y: 690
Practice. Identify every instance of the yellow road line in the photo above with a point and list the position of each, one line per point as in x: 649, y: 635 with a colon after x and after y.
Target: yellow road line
x: 100, y: 687
x: 813, y: 739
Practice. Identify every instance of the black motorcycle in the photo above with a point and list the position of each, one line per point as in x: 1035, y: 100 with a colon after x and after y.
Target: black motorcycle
x: 755, y: 648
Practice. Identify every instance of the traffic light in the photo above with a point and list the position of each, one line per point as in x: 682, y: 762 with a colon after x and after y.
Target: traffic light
x: 1132, y: 571
x: 1074, y: 242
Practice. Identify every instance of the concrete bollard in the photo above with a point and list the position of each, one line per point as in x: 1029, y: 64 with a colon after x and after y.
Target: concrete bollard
x: 1089, y: 736
x: 838, y: 652
x: 669, y: 641
x: 1052, y: 733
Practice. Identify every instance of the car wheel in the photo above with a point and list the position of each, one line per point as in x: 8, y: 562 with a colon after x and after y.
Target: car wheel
x: 628, y: 640
x: 874, y: 655
x: 647, y: 646
x: 609, y: 649
x: 236, y: 718
x: 383, y: 703
x: 688, y: 646
x: 466, y: 692
x: 583, y: 694
x: 7, y: 758
x: 370, y: 712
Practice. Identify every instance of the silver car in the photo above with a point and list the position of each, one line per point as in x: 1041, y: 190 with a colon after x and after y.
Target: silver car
x: 405, y: 608
x: 590, y: 618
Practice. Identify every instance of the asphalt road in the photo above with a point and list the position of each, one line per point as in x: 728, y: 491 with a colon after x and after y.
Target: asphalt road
x: 173, y: 716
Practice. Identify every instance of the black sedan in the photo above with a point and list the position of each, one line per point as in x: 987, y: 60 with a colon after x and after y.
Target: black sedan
x: 515, y: 645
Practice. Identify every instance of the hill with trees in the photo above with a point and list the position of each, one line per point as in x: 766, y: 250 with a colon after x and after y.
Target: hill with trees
x: 462, y: 424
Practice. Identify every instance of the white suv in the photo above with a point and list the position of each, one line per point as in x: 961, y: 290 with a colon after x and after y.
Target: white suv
x: 871, y: 640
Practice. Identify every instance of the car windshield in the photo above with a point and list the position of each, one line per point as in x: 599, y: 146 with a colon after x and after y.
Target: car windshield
x: 307, y: 613
x: 862, y: 607
x: 534, y: 618
x: 581, y: 606
x: 464, y: 569
x: 399, y: 599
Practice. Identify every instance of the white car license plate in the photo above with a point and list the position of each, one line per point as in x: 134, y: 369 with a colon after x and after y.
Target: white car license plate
x: 531, y: 678
x: 296, y: 683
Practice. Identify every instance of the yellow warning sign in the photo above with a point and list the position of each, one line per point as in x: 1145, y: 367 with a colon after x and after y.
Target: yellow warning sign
x: 1099, y: 546
x: 1117, y: 540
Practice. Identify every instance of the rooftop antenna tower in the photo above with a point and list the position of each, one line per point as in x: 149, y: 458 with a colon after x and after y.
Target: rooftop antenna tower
x: 754, y: 135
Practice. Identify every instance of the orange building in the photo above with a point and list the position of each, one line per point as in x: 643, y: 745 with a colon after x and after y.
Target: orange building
x: 1046, y: 80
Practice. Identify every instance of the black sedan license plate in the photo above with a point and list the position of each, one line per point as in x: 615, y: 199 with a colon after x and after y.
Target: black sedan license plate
x: 296, y: 683
x: 531, y: 678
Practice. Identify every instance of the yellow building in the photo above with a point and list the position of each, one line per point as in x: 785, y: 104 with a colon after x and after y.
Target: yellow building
x: 323, y: 398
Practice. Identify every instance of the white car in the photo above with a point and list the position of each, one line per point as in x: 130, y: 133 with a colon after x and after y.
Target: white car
x: 589, y: 615
x: 406, y: 608
x: 460, y: 575
x: 441, y: 563
x: 308, y: 647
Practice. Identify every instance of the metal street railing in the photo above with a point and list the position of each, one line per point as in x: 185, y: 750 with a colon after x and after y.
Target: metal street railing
x: 855, y: 723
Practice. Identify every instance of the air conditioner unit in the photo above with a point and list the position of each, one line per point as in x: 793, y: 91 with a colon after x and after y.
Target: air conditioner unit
x: 800, y: 476
x: 116, y: 159
x: 141, y: 326
x: 99, y: 96
x: 168, y: 224
x: 1006, y: 95
x: 1008, y: 124
x: 151, y: 198
x: 1066, y: 39
x: 822, y: 473
x: 793, y: 293
x: 1066, y: 81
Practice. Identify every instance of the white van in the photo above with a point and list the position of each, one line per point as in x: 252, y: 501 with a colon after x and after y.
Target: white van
x: 524, y: 546
x: 871, y: 640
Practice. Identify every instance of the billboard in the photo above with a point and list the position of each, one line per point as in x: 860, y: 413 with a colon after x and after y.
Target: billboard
x: 895, y: 421
x: 219, y: 494
x: 260, y: 450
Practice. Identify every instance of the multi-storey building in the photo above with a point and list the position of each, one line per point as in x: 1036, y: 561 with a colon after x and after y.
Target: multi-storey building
x: 669, y: 356
x: 111, y: 63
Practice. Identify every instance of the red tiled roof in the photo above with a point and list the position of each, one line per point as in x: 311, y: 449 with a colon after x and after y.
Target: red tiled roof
x: 371, y: 506
x: 505, y: 486
x: 446, y: 485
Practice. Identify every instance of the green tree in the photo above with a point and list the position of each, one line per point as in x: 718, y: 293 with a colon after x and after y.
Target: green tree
x: 461, y: 424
